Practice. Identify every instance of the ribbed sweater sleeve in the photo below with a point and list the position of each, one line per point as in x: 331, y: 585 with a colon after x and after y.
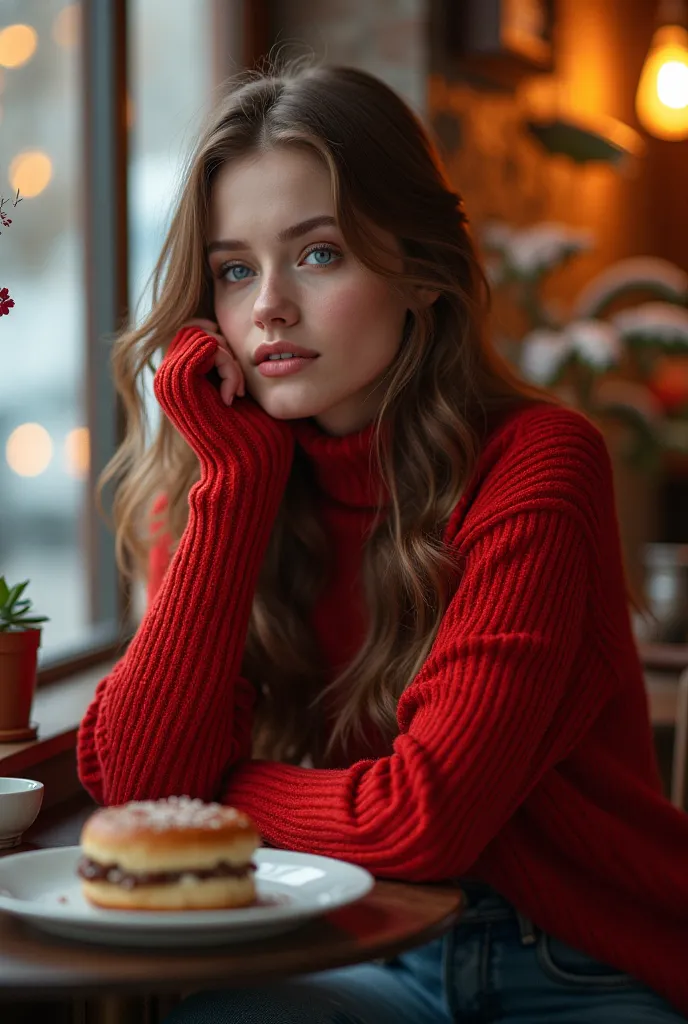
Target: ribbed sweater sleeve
x: 174, y: 712
x: 492, y: 709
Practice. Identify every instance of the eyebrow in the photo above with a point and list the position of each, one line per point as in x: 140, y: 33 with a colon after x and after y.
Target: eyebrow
x: 288, y: 235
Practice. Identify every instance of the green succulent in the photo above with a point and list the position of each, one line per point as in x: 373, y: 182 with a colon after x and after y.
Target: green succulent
x: 13, y: 612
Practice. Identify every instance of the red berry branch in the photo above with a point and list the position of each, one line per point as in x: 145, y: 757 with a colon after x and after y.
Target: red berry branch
x: 6, y: 302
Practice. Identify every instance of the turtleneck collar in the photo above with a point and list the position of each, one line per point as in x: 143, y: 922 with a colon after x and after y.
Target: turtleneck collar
x: 345, y: 466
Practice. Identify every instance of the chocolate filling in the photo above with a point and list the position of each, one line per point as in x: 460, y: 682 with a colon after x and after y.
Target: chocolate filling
x: 95, y: 872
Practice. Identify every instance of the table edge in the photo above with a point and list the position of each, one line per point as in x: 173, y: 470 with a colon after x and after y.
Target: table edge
x: 142, y: 986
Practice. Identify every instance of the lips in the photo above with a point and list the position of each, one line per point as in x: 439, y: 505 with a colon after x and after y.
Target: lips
x: 264, y: 351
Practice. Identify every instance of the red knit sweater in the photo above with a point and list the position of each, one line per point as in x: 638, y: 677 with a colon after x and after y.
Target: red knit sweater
x: 524, y: 755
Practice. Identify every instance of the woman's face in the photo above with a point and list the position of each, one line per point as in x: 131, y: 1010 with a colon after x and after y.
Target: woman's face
x: 282, y: 273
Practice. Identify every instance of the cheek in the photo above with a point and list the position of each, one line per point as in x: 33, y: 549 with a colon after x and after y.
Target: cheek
x: 234, y: 322
x: 368, y: 309
x: 338, y: 307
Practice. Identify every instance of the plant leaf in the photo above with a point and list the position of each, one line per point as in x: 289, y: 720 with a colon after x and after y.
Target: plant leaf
x: 636, y: 274
x: 15, y: 593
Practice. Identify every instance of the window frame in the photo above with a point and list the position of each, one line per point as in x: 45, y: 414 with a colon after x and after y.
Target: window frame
x: 240, y: 34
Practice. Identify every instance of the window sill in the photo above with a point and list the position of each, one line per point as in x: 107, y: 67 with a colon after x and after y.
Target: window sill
x: 57, y: 709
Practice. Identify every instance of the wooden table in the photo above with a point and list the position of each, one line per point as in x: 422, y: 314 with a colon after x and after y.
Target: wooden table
x: 394, y: 917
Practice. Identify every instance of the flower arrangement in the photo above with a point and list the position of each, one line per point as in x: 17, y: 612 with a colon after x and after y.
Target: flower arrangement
x: 628, y: 364
x: 6, y: 301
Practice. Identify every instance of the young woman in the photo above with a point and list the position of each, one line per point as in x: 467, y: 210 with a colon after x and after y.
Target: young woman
x: 387, y: 613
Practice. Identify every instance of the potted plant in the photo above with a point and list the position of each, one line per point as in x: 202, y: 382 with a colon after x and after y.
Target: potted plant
x: 610, y: 363
x: 622, y: 362
x: 20, y: 638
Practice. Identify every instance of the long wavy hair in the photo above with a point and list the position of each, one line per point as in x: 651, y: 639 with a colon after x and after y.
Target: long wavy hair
x: 438, y: 398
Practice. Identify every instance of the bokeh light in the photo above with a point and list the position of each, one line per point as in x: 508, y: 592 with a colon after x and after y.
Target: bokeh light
x: 30, y: 172
x: 18, y: 43
x: 29, y: 449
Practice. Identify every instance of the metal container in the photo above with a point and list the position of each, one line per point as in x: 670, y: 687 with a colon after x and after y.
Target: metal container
x: 666, y: 590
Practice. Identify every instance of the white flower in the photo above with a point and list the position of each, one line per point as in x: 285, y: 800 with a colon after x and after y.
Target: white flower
x: 656, y: 321
x: 635, y: 274
x: 544, y: 246
x: 494, y: 268
x: 542, y: 354
x: 496, y: 234
x: 595, y: 342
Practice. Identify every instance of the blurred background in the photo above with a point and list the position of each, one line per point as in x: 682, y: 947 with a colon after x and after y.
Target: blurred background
x: 58, y: 134
x: 564, y: 124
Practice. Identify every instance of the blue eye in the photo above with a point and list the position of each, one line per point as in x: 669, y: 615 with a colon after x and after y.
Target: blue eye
x: 242, y: 272
x: 323, y: 256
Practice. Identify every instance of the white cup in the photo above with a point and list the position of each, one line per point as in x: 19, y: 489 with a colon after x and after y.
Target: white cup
x: 20, y: 802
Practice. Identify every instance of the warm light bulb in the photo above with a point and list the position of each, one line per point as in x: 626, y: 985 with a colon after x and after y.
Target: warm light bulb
x: 672, y: 84
x: 662, y: 98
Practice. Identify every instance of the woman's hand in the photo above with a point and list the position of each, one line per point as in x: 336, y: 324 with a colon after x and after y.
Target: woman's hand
x: 199, y: 411
x: 226, y: 363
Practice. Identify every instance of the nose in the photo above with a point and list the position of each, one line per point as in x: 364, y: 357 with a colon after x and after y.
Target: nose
x: 274, y: 306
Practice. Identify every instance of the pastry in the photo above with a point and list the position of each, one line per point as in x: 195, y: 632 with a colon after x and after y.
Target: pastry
x: 173, y: 854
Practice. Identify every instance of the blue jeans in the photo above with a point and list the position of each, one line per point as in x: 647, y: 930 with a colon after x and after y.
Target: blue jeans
x: 493, y: 966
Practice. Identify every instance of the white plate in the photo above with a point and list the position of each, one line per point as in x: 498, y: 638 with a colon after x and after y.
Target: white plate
x: 42, y: 887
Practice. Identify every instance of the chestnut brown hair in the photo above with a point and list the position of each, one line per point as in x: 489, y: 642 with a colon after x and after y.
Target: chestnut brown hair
x: 443, y: 389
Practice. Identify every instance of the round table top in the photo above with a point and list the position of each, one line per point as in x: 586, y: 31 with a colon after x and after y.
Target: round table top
x: 393, y: 917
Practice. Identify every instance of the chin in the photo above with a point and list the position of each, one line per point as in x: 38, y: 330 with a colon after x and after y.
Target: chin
x: 288, y: 407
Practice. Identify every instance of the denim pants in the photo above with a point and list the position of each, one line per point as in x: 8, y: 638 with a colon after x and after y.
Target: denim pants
x: 493, y: 966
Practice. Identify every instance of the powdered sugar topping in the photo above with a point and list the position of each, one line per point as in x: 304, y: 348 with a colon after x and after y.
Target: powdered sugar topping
x: 176, y: 812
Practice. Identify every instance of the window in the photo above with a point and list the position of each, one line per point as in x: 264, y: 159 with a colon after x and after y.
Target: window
x: 169, y: 94
x: 59, y: 104
x: 43, y: 432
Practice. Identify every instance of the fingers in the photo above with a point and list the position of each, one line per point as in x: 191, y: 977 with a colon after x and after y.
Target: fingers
x: 208, y: 325
x: 225, y: 361
x: 231, y: 376
x: 210, y: 328
x: 233, y: 382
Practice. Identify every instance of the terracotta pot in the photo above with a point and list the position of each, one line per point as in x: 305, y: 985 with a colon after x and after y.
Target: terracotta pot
x: 18, y: 664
